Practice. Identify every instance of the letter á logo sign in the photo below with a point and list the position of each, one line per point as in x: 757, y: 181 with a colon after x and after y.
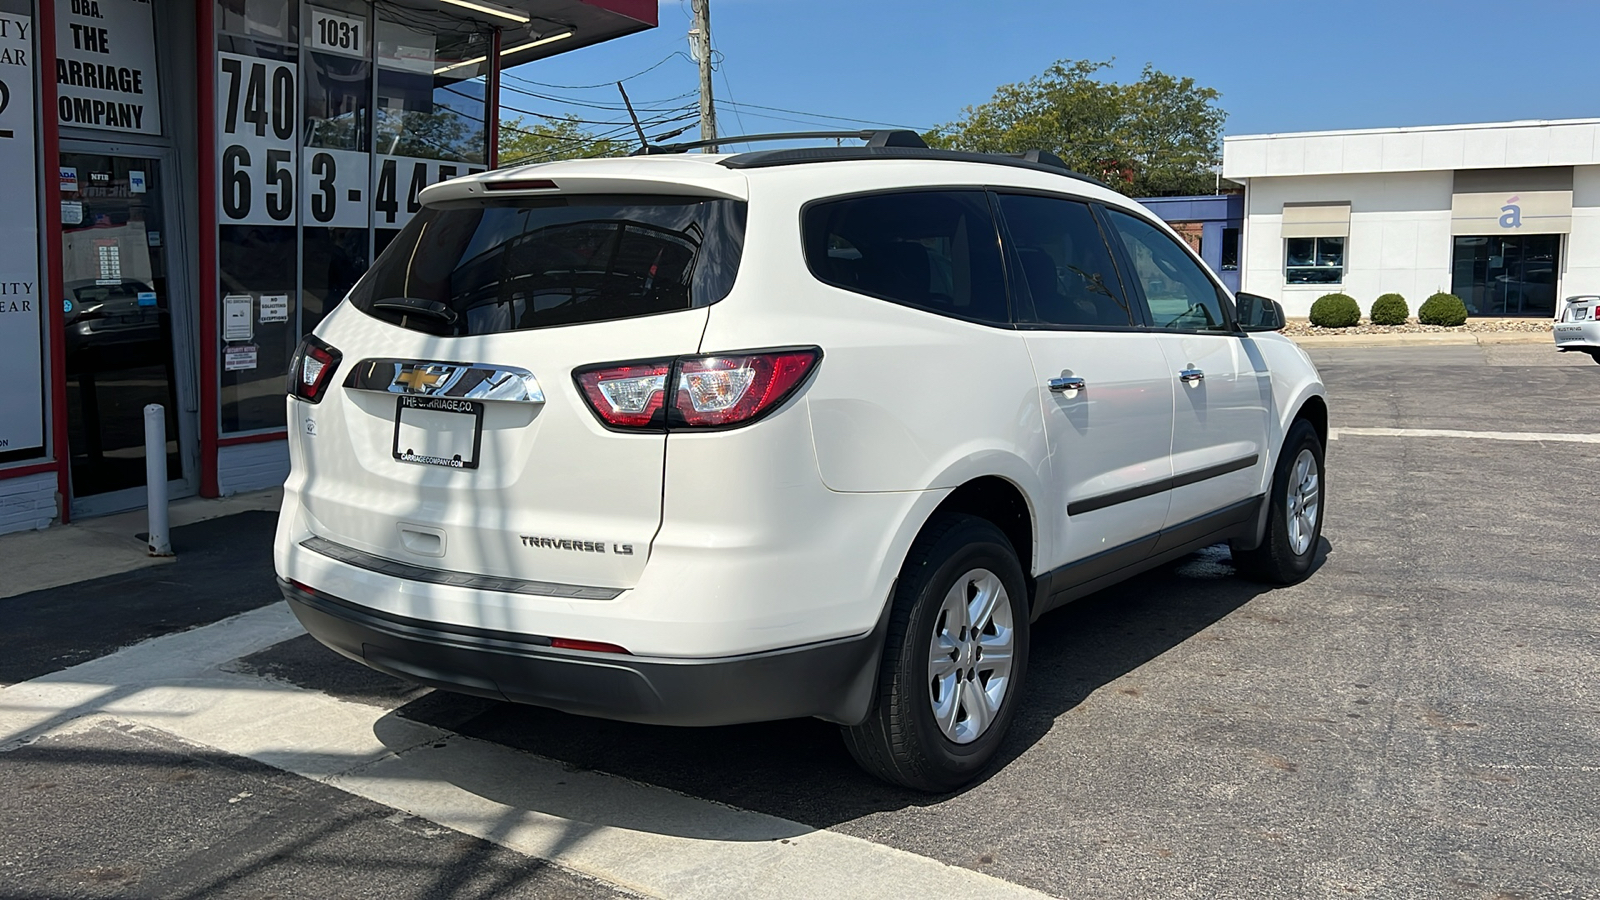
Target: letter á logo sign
x: 1511, y: 213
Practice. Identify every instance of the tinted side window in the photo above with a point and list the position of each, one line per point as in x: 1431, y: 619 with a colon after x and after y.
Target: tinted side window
x: 1177, y: 290
x: 933, y: 250
x: 1065, y: 266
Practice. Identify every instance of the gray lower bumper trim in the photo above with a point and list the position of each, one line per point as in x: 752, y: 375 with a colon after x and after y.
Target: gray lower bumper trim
x: 409, y: 572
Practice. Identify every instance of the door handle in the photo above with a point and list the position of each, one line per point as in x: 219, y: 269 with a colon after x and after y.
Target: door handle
x: 1068, y: 383
x: 1191, y: 376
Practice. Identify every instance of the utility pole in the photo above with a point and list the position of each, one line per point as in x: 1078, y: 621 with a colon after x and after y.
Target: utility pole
x: 700, y: 35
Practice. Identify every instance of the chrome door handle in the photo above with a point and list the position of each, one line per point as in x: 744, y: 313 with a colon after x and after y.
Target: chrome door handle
x: 1068, y: 384
x: 1191, y: 376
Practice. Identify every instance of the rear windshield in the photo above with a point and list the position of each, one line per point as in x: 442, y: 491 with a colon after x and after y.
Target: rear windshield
x: 554, y: 261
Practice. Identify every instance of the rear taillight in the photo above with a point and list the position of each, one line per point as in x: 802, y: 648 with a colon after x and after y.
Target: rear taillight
x: 708, y: 392
x: 311, y: 370
x: 628, y: 395
x: 719, y: 391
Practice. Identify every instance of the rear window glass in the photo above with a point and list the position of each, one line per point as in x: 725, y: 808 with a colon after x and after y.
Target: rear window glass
x: 934, y: 250
x: 554, y: 261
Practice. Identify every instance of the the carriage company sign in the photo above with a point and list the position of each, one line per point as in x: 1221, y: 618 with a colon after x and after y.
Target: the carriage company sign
x: 106, y: 65
x: 21, y: 379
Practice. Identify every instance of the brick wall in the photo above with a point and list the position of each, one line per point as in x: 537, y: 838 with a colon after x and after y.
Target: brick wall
x: 27, y: 503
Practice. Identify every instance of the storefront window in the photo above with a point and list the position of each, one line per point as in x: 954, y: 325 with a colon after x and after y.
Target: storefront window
x: 430, y: 117
x: 257, y: 78
x: 331, y: 119
x: 1313, y: 260
x: 1507, y: 276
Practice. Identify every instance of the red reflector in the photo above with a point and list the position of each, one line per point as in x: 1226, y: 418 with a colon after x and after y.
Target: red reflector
x: 627, y: 396
x: 591, y: 646
x: 521, y: 184
x: 302, y: 586
x: 715, y: 391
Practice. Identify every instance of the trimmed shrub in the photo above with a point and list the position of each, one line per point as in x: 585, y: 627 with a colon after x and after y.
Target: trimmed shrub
x: 1390, y: 309
x: 1335, y: 311
x: 1442, y: 309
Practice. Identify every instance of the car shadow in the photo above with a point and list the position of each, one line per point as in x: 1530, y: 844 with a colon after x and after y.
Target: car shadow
x: 799, y: 770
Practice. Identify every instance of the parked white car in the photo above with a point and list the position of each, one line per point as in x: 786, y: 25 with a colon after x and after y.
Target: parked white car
x: 703, y: 439
x: 1579, y: 326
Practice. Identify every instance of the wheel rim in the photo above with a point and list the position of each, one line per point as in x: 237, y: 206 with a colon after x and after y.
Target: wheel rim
x: 970, y: 658
x: 1304, y: 502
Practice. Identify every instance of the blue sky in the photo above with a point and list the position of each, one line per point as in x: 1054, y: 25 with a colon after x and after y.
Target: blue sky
x: 1281, y: 66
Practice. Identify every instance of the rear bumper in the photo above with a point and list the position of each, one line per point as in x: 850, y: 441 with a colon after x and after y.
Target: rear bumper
x: 1577, y: 335
x: 832, y: 680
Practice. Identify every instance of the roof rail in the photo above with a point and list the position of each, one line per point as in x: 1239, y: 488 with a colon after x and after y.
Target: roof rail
x: 1037, y: 160
x: 1042, y: 157
x: 874, y: 138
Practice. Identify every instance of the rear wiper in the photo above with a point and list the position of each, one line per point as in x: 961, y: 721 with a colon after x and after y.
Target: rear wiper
x: 416, y: 306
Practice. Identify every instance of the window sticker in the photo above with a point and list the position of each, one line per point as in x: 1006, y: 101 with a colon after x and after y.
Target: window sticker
x: 274, y: 308
x: 239, y: 357
x: 236, y: 324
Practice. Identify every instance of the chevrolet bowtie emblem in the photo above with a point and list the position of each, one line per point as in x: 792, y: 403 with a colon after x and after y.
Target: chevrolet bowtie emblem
x: 419, y: 380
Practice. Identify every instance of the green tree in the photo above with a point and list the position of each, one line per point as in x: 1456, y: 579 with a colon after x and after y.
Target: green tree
x: 1160, y: 135
x: 549, y: 139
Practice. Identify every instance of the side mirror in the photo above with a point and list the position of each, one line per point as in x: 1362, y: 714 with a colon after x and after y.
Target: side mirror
x: 1257, y: 313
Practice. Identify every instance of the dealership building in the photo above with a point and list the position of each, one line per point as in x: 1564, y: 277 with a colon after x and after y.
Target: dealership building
x: 189, y: 185
x: 1506, y: 215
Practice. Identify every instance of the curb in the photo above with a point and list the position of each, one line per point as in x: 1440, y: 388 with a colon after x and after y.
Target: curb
x: 1468, y: 339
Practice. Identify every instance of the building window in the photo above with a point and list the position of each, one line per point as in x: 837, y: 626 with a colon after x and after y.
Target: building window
x: 1230, y: 249
x: 1313, y: 260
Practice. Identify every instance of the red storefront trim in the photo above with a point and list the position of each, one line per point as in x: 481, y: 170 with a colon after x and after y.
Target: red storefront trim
x: 50, y: 131
x: 263, y: 438
x: 210, y: 396
x: 34, y: 469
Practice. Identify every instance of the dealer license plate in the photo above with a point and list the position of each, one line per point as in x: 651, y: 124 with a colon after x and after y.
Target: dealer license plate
x: 438, y: 431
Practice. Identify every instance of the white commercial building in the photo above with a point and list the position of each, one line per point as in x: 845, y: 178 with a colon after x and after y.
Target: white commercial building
x: 1506, y: 216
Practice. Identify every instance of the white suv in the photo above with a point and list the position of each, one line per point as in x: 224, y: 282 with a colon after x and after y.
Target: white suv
x: 703, y: 439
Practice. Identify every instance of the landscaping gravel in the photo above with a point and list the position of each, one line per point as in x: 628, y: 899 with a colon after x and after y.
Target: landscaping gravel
x: 1534, y: 326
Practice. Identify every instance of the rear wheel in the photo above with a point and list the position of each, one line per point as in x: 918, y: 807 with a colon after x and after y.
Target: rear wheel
x: 1294, y: 517
x: 953, y: 660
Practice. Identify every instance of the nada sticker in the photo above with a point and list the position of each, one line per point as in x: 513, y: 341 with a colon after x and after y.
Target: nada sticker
x: 136, y: 183
x: 69, y: 178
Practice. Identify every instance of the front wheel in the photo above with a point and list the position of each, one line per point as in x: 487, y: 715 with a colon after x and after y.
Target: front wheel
x: 1294, y: 517
x: 953, y: 660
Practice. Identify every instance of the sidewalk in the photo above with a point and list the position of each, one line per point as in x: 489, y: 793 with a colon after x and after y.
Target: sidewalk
x: 1430, y: 339
x: 109, y: 545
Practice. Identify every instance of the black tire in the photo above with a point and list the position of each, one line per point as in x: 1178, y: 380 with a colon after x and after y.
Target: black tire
x: 1595, y: 355
x: 901, y: 742
x: 1276, y: 560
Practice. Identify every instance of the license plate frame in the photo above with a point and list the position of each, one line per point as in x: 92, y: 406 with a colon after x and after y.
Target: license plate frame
x: 446, y: 405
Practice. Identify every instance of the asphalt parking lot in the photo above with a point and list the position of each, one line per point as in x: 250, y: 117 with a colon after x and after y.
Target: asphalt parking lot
x: 1420, y: 718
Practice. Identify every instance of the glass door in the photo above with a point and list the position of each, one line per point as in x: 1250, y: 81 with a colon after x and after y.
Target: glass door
x: 119, y: 326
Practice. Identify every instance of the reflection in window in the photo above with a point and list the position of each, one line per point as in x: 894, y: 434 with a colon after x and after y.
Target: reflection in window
x: 1177, y: 290
x: 1313, y: 260
x: 431, y: 93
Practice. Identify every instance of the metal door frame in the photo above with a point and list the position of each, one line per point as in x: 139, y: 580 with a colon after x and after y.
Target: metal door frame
x: 182, y: 318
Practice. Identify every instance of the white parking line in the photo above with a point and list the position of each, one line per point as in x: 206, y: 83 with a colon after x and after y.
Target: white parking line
x: 638, y: 836
x: 1529, y: 436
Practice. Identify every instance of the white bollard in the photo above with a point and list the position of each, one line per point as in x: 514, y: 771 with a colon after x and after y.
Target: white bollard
x: 155, y: 478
